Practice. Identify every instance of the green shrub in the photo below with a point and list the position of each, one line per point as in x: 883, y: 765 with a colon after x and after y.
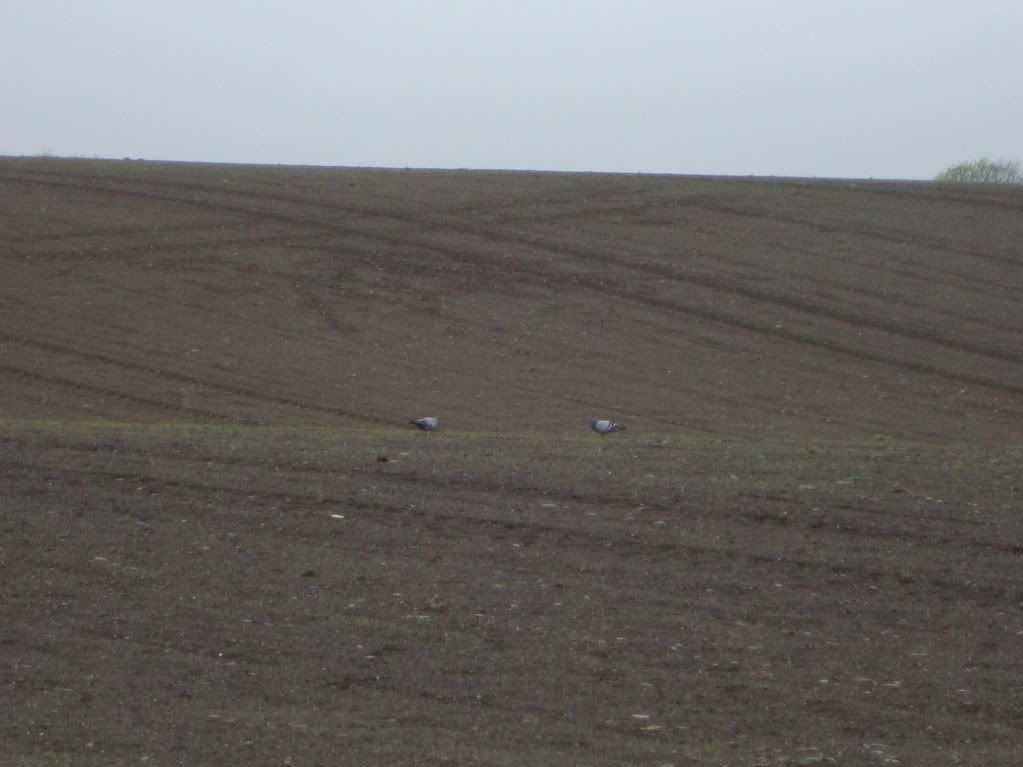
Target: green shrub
x: 983, y: 171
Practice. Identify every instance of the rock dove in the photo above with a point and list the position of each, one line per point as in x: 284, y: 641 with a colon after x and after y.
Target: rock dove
x: 604, y: 426
x: 429, y: 423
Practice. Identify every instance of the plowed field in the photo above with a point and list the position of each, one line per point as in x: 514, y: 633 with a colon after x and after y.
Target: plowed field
x: 221, y: 542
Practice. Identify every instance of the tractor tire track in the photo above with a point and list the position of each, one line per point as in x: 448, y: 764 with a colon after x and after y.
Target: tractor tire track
x: 183, y: 378
x: 19, y: 372
x: 723, y: 285
x: 600, y: 287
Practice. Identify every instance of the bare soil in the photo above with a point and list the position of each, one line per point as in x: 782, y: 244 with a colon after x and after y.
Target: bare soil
x: 221, y: 543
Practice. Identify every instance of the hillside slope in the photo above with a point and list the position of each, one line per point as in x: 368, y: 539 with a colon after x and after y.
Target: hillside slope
x: 509, y: 301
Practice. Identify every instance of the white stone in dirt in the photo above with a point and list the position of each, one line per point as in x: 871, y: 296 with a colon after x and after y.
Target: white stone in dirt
x: 427, y: 423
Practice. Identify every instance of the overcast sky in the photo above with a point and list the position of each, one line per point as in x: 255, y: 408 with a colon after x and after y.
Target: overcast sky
x: 881, y: 88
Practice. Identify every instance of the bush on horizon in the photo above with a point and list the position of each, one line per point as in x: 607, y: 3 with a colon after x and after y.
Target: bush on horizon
x: 983, y: 171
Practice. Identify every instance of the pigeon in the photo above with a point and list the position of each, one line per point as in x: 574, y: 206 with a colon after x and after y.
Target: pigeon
x: 604, y: 426
x: 429, y: 423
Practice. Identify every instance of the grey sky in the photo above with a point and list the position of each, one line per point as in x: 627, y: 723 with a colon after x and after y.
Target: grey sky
x: 883, y: 88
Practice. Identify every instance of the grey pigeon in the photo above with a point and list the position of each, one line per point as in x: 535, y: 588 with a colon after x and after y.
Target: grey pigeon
x: 604, y: 426
x: 429, y: 423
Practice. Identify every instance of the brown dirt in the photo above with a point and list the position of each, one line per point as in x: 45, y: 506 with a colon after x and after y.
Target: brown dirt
x: 806, y: 544
x: 510, y: 301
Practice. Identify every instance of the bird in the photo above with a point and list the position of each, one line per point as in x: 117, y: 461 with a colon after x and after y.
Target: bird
x: 603, y: 426
x: 428, y: 423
